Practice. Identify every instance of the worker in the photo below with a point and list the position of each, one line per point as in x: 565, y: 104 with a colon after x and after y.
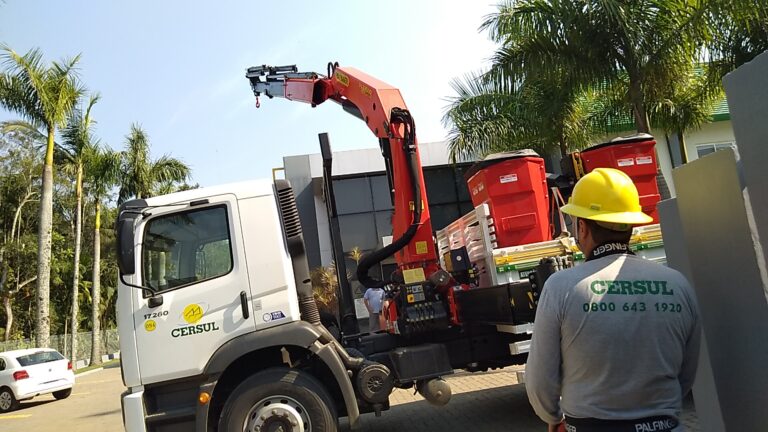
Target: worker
x: 373, y: 298
x: 616, y: 339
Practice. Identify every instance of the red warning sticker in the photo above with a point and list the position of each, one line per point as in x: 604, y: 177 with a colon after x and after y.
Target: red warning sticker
x: 644, y: 160
x: 509, y: 178
x: 625, y: 162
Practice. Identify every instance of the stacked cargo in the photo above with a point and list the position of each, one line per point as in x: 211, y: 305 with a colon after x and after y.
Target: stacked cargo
x: 508, y: 233
x: 514, y: 185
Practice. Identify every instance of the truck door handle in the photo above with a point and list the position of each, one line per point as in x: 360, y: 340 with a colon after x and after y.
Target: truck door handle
x: 244, y: 304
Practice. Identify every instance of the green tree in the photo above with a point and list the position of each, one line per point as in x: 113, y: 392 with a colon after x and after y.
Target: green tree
x: 653, y: 50
x: 687, y: 105
x: 44, y: 95
x: 736, y: 32
x: 78, y: 145
x: 19, y: 168
x: 644, y: 44
x: 142, y: 176
x: 494, y: 112
x: 102, y: 175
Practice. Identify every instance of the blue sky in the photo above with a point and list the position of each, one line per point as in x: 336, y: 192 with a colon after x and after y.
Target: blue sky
x: 177, y: 68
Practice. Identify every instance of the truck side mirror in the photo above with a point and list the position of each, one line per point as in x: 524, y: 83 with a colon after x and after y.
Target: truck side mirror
x: 125, y: 246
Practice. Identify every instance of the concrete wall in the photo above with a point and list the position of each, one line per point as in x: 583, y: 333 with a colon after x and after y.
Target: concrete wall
x: 665, y: 161
x: 716, y: 232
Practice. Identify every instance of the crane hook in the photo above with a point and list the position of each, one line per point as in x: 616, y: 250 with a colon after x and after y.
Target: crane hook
x: 258, y: 104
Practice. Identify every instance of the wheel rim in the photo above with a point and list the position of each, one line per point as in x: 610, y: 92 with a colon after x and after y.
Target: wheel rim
x: 5, y: 400
x: 277, y: 414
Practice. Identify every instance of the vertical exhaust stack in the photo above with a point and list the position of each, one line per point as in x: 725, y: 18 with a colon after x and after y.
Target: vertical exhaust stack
x: 294, y: 239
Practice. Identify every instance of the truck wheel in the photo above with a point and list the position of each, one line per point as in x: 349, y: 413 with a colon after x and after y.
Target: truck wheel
x: 62, y: 394
x: 279, y: 399
x: 8, y: 401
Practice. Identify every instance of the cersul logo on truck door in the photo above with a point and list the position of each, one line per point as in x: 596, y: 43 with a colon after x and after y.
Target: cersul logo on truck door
x: 192, y: 315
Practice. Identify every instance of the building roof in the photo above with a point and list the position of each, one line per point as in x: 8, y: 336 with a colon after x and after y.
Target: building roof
x: 625, y: 122
x: 721, y: 111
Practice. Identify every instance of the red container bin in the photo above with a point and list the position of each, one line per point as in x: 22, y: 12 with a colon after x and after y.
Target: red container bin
x: 635, y: 156
x: 514, y: 184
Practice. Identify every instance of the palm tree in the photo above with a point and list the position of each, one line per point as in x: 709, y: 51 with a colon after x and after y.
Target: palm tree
x: 174, y: 186
x: 494, y: 112
x: 645, y: 49
x: 44, y: 95
x: 485, y: 117
x: 688, y: 105
x: 78, y: 145
x: 646, y: 43
x: 738, y: 32
x: 141, y: 175
x: 103, y: 173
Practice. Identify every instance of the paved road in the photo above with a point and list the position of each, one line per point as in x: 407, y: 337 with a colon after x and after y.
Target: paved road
x: 483, y: 402
x: 94, y: 406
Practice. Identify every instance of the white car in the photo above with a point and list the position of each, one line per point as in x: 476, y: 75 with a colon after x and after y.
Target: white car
x: 27, y: 373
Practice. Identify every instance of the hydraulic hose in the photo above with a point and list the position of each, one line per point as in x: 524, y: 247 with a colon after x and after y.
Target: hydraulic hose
x: 399, y: 116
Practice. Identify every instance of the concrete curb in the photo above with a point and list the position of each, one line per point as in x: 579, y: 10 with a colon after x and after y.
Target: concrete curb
x: 104, y: 358
x: 86, y: 373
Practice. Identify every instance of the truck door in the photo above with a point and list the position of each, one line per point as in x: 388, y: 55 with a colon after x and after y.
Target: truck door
x: 193, y: 256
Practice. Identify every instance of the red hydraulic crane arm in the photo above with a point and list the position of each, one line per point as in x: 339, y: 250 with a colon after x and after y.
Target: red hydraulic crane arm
x: 383, y: 110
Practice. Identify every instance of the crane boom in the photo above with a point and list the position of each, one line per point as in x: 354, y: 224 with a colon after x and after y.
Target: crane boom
x: 383, y: 110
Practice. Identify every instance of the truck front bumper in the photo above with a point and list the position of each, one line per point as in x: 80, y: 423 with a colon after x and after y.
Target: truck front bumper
x: 132, y: 402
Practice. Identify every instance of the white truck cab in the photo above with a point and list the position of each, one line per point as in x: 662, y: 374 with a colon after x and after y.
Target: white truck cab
x: 219, y: 329
x: 208, y: 308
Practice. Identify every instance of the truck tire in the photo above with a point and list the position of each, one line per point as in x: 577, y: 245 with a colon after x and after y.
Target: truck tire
x: 279, y: 399
x: 8, y: 401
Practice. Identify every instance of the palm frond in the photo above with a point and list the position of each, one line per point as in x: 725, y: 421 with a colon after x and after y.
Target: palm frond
x: 78, y: 134
x: 66, y: 90
x: 104, y: 170
x: 170, y: 169
x: 597, y: 50
x: 497, y: 111
x: 41, y: 94
x: 20, y: 83
x: 739, y: 30
x: 688, y: 105
x: 480, y: 118
x: 27, y: 129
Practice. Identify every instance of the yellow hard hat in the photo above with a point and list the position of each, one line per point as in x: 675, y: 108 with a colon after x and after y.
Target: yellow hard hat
x: 606, y: 195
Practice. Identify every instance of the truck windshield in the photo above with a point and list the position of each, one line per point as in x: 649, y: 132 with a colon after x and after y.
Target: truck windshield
x: 39, y: 357
x: 184, y: 248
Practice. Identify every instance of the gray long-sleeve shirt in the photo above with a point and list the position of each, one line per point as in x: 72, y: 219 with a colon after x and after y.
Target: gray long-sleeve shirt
x: 617, y: 338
